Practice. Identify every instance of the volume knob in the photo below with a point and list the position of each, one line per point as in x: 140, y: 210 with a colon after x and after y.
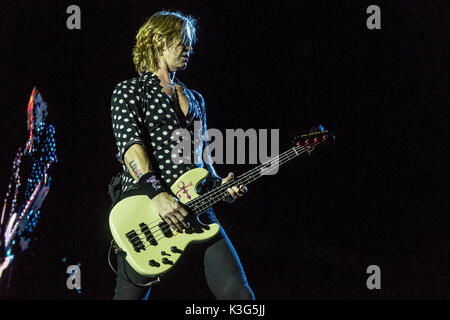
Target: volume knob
x: 153, y: 263
x: 174, y: 249
x: 166, y: 261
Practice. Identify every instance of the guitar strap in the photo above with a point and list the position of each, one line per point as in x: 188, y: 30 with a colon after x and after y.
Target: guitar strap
x: 121, y: 254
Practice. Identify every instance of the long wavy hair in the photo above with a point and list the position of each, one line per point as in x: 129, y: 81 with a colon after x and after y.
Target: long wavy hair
x: 162, y: 30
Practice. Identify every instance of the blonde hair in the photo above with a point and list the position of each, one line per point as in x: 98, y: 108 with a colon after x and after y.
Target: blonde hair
x: 162, y: 30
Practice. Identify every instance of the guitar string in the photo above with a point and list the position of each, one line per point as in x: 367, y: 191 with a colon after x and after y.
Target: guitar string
x: 287, y: 156
x: 211, y: 194
x: 219, y: 190
x: 212, y: 197
x: 286, y: 159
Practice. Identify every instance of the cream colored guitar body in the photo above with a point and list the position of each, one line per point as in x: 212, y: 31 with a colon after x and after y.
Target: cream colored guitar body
x: 151, y: 247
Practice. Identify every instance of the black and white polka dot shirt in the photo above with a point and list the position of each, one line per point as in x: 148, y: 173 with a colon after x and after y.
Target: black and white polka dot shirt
x: 142, y: 113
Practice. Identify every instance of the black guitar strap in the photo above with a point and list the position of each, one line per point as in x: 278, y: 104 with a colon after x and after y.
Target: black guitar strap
x: 121, y: 254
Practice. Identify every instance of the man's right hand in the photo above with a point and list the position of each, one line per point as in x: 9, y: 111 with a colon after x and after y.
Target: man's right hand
x: 170, y: 210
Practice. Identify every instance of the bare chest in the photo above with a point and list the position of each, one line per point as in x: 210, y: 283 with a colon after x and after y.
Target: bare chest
x: 180, y: 95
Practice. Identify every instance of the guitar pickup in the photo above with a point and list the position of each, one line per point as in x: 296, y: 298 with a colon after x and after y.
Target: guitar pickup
x: 135, y: 241
x: 165, y: 228
x: 148, y: 234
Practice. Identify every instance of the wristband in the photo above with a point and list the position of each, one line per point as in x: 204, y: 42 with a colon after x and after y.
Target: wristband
x: 152, y: 185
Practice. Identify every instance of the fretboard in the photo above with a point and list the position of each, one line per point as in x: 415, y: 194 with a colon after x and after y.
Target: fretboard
x: 199, y: 204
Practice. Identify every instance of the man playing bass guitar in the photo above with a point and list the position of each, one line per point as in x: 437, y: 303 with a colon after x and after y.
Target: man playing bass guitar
x: 145, y: 111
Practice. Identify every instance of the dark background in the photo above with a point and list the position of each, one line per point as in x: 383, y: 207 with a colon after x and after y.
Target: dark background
x: 378, y: 196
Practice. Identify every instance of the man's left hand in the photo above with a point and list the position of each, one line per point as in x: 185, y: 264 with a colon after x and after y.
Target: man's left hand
x: 234, y: 191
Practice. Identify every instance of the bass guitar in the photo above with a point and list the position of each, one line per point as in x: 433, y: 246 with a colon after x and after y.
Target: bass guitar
x: 150, y: 245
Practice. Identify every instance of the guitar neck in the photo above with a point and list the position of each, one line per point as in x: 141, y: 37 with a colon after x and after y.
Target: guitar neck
x: 210, y: 198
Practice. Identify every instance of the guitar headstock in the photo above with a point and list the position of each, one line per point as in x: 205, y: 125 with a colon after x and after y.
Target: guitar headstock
x: 315, y: 136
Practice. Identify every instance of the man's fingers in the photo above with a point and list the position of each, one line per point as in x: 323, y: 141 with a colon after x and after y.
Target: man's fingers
x: 229, y: 177
x: 182, y: 210
x: 237, y: 191
x: 232, y: 192
x: 181, y: 219
x: 174, y: 222
x: 170, y: 222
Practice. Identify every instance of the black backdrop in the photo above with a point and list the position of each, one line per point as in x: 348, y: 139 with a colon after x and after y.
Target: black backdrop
x: 378, y: 196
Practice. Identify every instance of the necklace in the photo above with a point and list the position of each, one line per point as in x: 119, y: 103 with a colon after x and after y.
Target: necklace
x: 172, y: 87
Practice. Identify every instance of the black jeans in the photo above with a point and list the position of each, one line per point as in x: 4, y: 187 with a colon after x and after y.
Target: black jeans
x: 224, y: 274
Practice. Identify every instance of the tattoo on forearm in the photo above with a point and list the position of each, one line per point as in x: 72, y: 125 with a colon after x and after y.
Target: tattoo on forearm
x: 137, y: 172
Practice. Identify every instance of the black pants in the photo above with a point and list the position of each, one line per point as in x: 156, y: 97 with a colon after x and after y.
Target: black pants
x: 223, y: 271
